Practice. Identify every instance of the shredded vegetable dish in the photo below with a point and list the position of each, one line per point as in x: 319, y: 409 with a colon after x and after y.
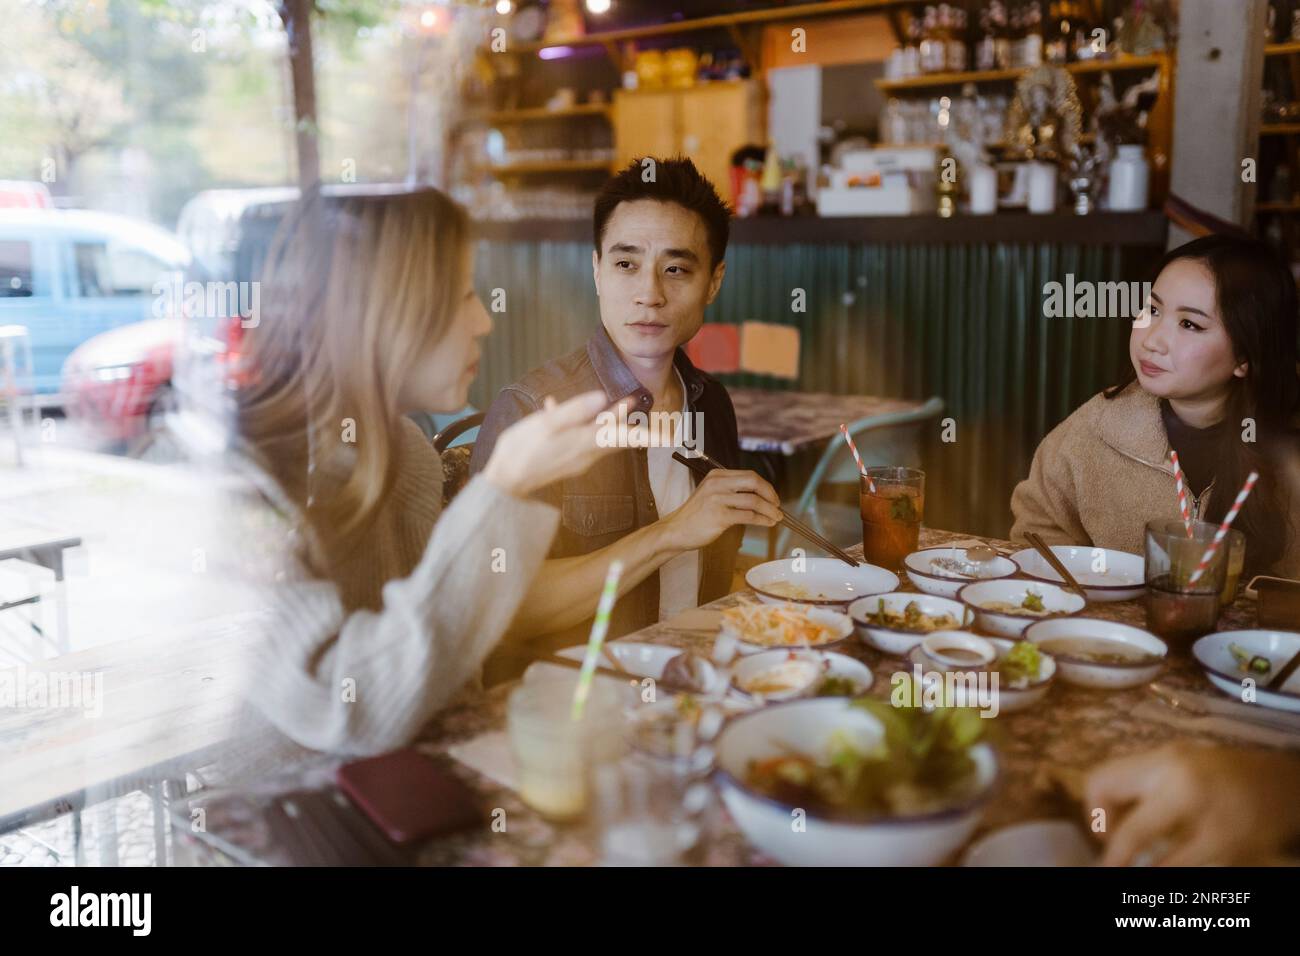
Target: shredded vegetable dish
x: 779, y: 625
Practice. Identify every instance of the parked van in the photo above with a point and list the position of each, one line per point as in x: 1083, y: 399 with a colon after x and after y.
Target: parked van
x: 68, y: 275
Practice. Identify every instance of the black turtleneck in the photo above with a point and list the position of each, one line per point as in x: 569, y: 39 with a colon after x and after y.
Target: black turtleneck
x: 1197, y: 448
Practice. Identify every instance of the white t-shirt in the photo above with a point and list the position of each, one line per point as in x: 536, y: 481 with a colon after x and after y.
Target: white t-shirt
x: 670, y: 482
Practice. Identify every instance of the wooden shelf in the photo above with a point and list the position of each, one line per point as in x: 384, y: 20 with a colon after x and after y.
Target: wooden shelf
x: 1281, y: 49
x: 553, y: 166
x: 1155, y: 61
x: 1280, y: 129
x: 1278, y: 206
x: 542, y: 113
x: 722, y: 21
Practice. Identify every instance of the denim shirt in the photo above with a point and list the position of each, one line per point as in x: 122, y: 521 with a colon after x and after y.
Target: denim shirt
x: 613, y: 498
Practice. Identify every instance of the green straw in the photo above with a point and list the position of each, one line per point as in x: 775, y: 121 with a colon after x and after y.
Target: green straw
x: 599, y: 628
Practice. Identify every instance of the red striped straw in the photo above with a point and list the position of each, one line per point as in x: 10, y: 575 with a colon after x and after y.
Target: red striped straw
x: 1183, y: 506
x: 844, y: 430
x: 1223, y: 528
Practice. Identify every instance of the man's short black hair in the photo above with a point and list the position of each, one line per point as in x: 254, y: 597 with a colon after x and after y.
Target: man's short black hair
x: 667, y: 180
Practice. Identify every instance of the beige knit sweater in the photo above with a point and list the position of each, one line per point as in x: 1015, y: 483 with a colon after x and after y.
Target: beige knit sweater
x: 358, y: 662
x: 1104, y: 472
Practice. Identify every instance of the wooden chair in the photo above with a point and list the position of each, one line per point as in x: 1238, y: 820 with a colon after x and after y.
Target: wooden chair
x: 455, y: 461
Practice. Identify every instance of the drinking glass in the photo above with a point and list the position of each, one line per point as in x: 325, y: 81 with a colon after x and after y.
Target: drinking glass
x: 1235, y: 542
x: 1178, y: 609
x: 649, y: 811
x: 892, y: 503
x: 555, y: 754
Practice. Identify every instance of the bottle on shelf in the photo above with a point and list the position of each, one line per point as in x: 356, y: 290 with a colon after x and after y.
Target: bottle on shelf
x: 933, y: 49
x: 911, y: 59
x: 1032, y: 44
x: 957, y: 59
x: 1083, y: 41
x: 1001, y: 30
x: 1016, y: 35
x: 1058, y: 39
x: 986, y: 45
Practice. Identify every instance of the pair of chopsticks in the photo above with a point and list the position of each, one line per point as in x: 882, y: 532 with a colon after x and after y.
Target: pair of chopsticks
x: 1050, y: 557
x: 621, y: 674
x: 703, y: 464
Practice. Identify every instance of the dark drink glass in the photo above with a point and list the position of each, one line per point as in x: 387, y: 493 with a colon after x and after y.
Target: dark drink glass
x: 1178, y: 608
x: 892, y: 504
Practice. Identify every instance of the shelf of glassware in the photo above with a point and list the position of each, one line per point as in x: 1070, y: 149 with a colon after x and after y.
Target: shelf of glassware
x: 1154, y: 61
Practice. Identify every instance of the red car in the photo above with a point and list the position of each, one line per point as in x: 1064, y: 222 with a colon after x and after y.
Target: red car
x: 119, y: 385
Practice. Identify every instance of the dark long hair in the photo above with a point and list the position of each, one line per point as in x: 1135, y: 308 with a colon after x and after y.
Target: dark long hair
x: 1256, y: 297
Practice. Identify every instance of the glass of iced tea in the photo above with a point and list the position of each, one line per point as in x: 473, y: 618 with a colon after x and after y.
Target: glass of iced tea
x: 892, y: 502
x: 1235, y: 543
x: 1178, y: 609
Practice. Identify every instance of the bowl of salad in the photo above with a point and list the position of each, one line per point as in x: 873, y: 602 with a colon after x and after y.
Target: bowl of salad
x: 896, y: 623
x: 856, y: 782
x: 1006, y: 608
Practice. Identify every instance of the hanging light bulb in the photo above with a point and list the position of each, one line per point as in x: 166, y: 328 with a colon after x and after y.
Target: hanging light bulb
x: 505, y: 7
x: 598, y: 6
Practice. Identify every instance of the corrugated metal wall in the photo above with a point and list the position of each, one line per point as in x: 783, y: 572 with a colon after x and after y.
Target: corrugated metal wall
x: 964, y: 322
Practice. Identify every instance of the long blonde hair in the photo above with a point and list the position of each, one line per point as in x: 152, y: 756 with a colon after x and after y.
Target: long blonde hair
x: 355, y: 292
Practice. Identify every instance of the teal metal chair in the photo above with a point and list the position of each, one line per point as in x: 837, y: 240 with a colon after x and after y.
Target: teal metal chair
x: 891, y: 439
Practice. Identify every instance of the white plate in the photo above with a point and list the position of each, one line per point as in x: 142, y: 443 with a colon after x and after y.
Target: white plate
x: 826, y: 576
x: 1010, y: 700
x: 1014, y: 591
x: 1042, y: 843
x: 894, y: 641
x: 839, y: 622
x: 1212, y: 653
x: 1123, y: 579
x: 919, y: 572
x: 1100, y: 676
x: 639, y: 660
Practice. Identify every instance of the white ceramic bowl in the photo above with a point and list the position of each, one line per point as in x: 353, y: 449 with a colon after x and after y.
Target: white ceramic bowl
x: 805, y: 670
x: 848, y: 668
x: 806, y: 726
x: 831, y: 582
x: 1100, y: 676
x: 1014, y: 591
x: 1010, y: 700
x: 837, y: 621
x: 1123, y: 579
x: 1041, y: 843
x: 894, y: 641
x: 1212, y: 653
x: 939, y: 646
x: 924, y: 578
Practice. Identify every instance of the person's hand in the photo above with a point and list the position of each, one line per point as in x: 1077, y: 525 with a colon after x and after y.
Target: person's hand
x: 722, y: 499
x: 557, y: 442
x: 1194, y: 805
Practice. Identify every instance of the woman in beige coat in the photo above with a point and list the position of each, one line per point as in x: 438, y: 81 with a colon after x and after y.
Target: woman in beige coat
x: 1213, y: 377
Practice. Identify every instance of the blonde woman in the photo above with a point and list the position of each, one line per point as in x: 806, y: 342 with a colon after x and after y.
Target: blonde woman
x: 389, y: 605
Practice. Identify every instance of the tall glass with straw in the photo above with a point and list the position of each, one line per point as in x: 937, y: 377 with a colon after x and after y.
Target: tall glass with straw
x: 561, y: 725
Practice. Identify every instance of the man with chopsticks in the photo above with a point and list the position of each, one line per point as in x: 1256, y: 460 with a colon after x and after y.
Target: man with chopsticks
x: 660, y: 238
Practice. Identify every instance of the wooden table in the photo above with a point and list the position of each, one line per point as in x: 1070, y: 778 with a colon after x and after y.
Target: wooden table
x: 44, y: 547
x: 788, y: 422
x: 168, y: 702
x: 1072, y: 728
